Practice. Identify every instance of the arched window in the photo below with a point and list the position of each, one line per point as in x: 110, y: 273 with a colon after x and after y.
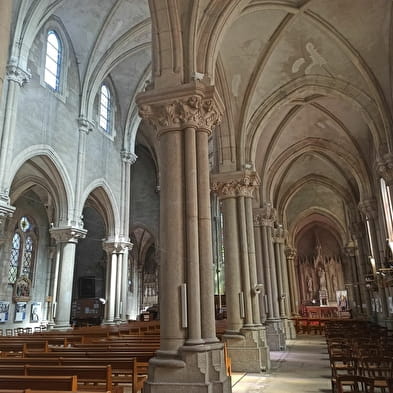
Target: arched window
x: 105, y: 108
x: 53, y: 60
x: 24, y: 244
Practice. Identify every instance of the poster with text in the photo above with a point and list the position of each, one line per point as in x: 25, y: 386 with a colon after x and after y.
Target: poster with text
x: 35, y: 314
x: 4, y: 310
x: 20, y: 311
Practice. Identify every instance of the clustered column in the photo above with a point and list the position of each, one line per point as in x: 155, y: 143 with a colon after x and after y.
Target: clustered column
x: 116, y: 275
x: 235, y: 191
x: 66, y: 240
x: 293, y: 281
x: 370, y: 212
x: 184, y: 117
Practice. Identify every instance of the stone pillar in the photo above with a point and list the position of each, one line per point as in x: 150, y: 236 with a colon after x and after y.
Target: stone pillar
x: 359, y: 234
x: 353, y: 287
x: 54, y: 279
x: 248, y: 350
x: 16, y: 78
x: 189, y: 359
x: 293, y: 282
x: 5, y: 24
x: 7, y: 225
x: 128, y: 159
x: 283, y: 286
x: 233, y: 289
x: 259, y: 263
x: 369, y: 210
x: 67, y: 237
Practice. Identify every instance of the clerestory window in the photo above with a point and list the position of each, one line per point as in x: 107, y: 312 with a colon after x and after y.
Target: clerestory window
x: 53, y: 60
x: 105, y: 108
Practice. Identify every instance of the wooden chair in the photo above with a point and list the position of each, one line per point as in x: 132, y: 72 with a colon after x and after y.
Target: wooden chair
x: 354, y: 383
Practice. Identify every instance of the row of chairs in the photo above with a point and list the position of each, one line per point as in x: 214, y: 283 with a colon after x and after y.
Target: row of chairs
x: 18, y: 331
x: 353, y: 367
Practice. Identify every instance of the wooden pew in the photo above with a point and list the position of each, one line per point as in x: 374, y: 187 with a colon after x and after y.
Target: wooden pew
x: 97, y: 378
x: 68, y: 383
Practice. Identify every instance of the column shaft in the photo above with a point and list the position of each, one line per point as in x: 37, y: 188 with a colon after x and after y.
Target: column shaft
x: 277, y: 257
x: 273, y: 274
x: 118, y: 286
x: 266, y: 265
x: 205, y: 239
x: 259, y: 264
x: 192, y: 239
x: 172, y: 239
x: 232, y: 265
x: 112, y: 287
x: 245, y: 268
x: 256, y: 316
x: 65, y: 285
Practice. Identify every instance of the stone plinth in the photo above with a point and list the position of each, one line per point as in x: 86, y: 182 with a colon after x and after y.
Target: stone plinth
x: 275, y: 335
x: 248, y: 350
x: 197, y: 369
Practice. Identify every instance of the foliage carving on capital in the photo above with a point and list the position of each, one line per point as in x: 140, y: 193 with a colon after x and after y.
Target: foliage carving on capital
x: 369, y: 208
x: 128, y: 157
x: 67, y: 234
x: 269, y: 214
x: 85, y: 125
x: 116, y: 247
x: 385, y: 168
x: 17, y: 74
x: 279, y: 234
x: 350, y: 249
x: 191, y: 111
x: 241, y: 185
x: 290, y: 253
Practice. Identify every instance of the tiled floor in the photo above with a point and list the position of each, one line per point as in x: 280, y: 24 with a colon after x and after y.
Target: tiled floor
x: 302, y: 368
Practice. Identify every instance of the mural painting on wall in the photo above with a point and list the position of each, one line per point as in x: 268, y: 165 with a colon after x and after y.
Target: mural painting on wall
x: 320, y: 276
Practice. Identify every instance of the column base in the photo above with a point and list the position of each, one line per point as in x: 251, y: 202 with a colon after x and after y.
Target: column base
x: 275, y: 335
x: 61, y: 326
x: 289, y: 328
x: 195, y: 369
x: 248, y: 350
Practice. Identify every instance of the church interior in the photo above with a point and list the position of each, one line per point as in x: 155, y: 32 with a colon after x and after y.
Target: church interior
x: 220, y: 167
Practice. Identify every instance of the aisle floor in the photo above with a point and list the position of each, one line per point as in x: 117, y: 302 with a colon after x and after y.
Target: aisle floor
x: 302, y: 368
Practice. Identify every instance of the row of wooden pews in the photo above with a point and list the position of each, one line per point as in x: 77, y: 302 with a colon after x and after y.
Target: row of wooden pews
x: 361, y: 356
x: 96, y: 359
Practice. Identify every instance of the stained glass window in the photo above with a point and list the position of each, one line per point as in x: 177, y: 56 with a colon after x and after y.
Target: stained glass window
x: 21, y: 262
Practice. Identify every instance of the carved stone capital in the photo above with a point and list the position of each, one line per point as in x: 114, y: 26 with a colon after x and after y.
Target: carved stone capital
x: 230, y: 185
x: 116, y: 247
x: 290, y: 253
x: 384, y: 168
x: 191, y: 105
x: 350, y: 249
x: 269, y: 215
x: 6, y: 212
x: 128, y: 157
x: 17, y: 74
x: 85, y: 125
x: 369, y: 208
x: 279, y: 234
x: 358, y: 230
x: 67, y: 234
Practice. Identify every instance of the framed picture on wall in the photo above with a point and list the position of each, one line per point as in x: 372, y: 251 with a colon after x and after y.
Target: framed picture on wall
x: 20, y: 311
x: 4, y: 310
x: 35, y: 312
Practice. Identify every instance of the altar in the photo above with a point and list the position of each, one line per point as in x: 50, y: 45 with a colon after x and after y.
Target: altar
x: 320, y: 311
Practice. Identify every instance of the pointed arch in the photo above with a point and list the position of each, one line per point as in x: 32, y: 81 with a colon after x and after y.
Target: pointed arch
x: 99, y: 195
